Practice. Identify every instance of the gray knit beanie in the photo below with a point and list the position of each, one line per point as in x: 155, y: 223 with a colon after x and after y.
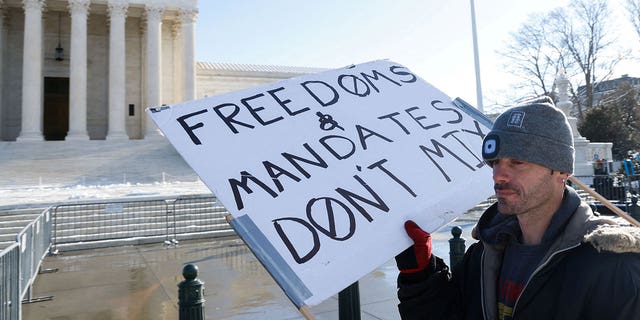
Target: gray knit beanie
x: 535, y: 131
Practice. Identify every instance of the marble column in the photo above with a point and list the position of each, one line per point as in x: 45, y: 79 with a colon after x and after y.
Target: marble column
x: 154, y: 65
x: 188, y: 36
x: 79, y: 10
x: 32, y: 82
x: 117, y: 62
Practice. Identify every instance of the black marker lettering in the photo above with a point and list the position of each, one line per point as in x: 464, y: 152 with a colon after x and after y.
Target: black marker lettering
x: 334, y: 93
x: 478, y: 130
x: 392, y: 117
x: 244, y: 179
x: 290, y: 246
x: 435, y: 102
x: 438, y: 152
x: 254, y: 110
x: 379, y: 165
x: 363, y: 136
x: 376, y: 76
x: 350, y: 149
x: 283, y: 103
x: 326, y: 207
x: 352, y: 197
x: 481, y: 163
x: 228, y: 119
x: 275, y: 172
x: 189, y: 129
x: 399, y: 71
x: 357, y: 89
x: 294, y: 159
x: 419, y: 118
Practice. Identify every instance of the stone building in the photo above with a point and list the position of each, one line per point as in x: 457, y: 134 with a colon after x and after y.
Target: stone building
x: 87, y: 69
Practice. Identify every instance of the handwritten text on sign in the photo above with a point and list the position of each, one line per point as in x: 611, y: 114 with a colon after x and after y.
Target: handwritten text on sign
x: 329, y: 166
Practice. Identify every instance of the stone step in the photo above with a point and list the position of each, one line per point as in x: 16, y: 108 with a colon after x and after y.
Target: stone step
x: 15, y: 223
x: 8, y: 237
x: 6, y: 244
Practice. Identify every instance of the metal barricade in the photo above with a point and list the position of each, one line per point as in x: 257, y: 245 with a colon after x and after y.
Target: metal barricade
x: 20, y: 263
x: 9, y: 282
x: 198, y: 216
x: 109, y: 221
x: 34, y: 241
x: 120, y: 222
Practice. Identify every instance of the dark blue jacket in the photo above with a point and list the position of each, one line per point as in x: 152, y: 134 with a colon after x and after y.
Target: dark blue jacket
x: 591, y: 271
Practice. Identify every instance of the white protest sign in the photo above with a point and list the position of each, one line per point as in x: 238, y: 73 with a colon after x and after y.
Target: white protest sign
x: 320, y: 172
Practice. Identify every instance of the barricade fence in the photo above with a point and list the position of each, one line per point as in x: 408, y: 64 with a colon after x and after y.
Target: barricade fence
x: 35, y: 241
x: 616, y: 188
x: 118, y: 222
x: 20, y: 264
x: 9, y: 283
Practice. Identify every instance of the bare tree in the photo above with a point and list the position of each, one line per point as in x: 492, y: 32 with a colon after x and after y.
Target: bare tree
x: 582, y: 30
x: 529, y: 57
x: 575, y: 40
x: 633, y: 9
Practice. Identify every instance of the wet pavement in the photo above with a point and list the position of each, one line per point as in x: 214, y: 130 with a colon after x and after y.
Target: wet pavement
x: 140, y: 282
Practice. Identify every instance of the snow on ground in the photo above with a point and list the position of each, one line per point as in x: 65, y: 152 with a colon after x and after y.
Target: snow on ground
x: 49, y: 194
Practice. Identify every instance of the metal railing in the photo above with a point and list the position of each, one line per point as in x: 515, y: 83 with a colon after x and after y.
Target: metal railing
x: 9, y: 283
x: 118, y: 222
x: 20, y: 263
x: 193, y: 215
x: 616, y: 188
x: 109, y: 221
x: 35, y: 241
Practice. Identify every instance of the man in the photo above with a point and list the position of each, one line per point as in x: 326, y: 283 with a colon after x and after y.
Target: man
x: 541, y: 254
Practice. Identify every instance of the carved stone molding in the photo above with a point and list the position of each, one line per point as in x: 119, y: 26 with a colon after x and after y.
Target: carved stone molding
x: 79, y: 7
x: 117, y: 8
x: 33, y: 4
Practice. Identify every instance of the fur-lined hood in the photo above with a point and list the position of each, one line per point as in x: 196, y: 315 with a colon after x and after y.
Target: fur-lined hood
x: 614, y: 238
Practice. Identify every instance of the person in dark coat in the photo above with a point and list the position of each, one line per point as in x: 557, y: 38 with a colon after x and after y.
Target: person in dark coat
x: 542, y: 253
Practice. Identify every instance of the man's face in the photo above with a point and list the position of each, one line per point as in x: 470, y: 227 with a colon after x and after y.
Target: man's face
x: 524, y: 187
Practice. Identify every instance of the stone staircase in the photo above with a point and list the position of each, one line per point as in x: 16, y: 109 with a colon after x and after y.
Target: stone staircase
x: 92, y: 162
x: 36, y: 168
x: 14, y: 220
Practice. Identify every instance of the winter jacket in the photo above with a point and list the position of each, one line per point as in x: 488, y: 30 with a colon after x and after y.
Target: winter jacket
x: 590, y: 271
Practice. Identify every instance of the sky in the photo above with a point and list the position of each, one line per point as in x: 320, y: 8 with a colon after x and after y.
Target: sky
x: 433, y: 38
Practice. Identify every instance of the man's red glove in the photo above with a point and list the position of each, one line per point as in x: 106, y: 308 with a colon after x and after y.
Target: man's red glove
x: 417, y: 257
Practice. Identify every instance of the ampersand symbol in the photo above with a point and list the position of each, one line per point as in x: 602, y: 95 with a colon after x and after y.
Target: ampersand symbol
x: 327, y: 123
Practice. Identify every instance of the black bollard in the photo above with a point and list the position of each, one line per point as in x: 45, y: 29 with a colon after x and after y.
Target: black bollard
x: 191, y: 294
x: 456, y: 247
x: 349, y: 303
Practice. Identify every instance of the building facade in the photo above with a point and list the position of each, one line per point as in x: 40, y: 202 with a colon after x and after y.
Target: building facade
x: 607, y: 86
x: 87, y: 69
x: 81, y: 69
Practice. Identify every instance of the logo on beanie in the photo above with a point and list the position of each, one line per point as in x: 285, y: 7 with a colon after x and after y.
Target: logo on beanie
x: 490, y: 146
x: 516, y: 118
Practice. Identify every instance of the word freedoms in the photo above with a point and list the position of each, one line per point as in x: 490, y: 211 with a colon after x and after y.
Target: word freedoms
x: 324, y: 94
